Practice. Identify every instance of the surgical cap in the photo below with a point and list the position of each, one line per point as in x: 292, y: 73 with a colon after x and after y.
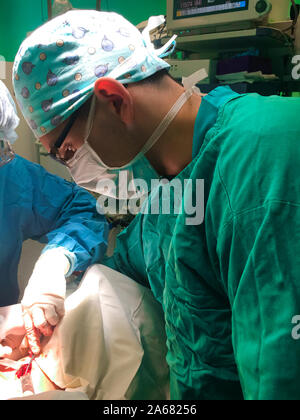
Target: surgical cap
x: 9, y: 120
x: 57, y: 65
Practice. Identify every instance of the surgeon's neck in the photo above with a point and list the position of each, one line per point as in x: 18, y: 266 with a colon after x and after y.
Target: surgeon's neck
x: 173, y: 151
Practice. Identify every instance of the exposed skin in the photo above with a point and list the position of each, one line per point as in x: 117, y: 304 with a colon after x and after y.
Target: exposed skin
x: 124, y: 120
x: 40, y: 382
x: 12, y: 331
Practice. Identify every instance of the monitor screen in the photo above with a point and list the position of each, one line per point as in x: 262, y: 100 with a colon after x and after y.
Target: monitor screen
x: 192, y: 8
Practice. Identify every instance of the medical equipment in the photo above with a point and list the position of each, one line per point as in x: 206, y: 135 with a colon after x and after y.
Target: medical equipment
x: 24, y: 374
x: 221, y: 30
x: 32, y: 334
x: 211, y: 27
x: 280, y: 11
x: 184, y: 68
x: 207, y: 16
x: 208, y: 26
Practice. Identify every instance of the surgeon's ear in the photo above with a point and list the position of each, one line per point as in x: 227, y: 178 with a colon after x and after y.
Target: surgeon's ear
x: 110, y: 91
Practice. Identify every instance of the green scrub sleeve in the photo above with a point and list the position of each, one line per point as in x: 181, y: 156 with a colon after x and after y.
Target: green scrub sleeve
x: 260, y: 251
x: 128, y: 257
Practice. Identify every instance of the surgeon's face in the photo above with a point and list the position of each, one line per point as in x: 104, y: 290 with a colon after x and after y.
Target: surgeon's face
x: 63, y: 142
x: 109, y: 136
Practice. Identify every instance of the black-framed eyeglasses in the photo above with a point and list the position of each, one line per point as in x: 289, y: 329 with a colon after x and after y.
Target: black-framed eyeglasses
x: 54, y: 152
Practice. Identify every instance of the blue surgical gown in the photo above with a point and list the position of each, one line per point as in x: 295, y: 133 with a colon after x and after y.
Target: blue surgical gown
x: 37, y: 205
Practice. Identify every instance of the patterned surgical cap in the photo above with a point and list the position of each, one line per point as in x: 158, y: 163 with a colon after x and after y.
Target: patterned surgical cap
x: 57, y: 65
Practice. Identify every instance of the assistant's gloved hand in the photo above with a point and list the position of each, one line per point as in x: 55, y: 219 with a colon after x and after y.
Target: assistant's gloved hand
x: 44, y: 297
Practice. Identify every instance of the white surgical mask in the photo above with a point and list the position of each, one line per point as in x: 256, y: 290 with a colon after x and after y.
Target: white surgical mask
x: 125, y: 182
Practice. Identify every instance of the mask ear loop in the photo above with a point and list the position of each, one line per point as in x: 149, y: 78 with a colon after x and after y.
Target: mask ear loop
x: 166, y: 121
x: 190, y: 88
x: 191, y: 81
x: 189, y: 85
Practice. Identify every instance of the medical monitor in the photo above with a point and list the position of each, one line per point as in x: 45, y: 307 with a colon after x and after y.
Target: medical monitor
x: 183, y: 15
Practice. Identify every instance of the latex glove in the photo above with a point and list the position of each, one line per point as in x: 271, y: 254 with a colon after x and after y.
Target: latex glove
x: 44, y: 297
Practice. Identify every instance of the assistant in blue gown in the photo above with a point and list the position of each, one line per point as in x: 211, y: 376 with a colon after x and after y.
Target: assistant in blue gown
x: 35, y: 204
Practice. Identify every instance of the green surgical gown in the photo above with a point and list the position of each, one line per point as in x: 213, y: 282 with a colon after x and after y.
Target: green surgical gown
x: 230, y: 286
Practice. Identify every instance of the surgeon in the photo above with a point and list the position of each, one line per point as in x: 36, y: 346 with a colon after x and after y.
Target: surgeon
x: 228, y: 282
x: 37, y: 205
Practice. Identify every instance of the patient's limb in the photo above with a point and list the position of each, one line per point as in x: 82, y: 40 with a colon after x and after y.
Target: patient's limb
x: 11, y: 332
x: 109, y: 345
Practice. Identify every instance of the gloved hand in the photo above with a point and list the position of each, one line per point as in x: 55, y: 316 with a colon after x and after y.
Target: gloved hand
x: 44, y: 297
